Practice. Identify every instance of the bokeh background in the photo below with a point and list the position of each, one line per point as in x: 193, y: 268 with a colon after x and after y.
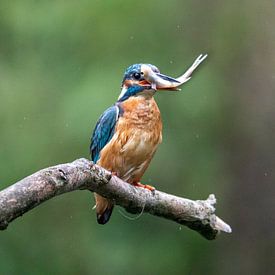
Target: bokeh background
x: 61, y: 65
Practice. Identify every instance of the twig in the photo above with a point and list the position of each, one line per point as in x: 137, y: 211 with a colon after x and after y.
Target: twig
x: 82, y: 174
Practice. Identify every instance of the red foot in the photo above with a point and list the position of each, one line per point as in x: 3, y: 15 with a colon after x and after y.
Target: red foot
x: 115, y: 174
x: 145, y: 186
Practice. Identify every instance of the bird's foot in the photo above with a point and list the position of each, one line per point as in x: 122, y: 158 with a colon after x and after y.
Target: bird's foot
x: 145, y: 186
x: 115, y: 174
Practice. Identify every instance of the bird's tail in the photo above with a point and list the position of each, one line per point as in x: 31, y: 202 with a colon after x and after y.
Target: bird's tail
x: 104, y: 209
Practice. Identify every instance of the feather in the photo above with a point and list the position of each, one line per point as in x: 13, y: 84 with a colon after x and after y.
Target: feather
x: 104, y: 131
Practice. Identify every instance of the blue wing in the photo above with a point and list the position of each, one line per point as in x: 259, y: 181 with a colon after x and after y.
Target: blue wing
x: 104, y: 130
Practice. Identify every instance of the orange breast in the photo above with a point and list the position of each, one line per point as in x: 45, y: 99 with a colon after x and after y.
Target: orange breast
x: 137, y: 135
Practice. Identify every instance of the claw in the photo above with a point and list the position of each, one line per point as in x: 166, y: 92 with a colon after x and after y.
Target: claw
x: 145, y: 186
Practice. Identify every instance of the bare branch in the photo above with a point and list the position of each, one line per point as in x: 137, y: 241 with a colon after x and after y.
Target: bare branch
x: 82, y: 174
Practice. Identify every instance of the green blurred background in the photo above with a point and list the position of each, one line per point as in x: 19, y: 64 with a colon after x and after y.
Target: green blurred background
x: 61, y: 65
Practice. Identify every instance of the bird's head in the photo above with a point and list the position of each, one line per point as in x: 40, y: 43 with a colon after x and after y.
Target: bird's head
x: 145, y: 79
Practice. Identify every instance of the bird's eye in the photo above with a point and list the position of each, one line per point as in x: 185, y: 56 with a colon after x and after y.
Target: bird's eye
x: 137, y: 76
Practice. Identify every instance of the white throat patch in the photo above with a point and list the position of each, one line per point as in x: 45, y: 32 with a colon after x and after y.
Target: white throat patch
x: 122, y: 93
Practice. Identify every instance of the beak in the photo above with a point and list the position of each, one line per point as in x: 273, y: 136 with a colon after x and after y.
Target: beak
x: 163, y: 82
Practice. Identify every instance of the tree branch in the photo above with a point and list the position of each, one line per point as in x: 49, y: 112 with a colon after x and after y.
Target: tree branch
x: 81, y: 174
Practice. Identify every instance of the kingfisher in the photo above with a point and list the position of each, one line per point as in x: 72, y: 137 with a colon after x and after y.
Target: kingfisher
x: 127, y: 134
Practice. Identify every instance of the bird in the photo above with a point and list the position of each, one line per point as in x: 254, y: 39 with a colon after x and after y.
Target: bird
x: 127, y: 134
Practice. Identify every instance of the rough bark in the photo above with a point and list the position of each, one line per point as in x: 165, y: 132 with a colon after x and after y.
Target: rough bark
x: 82, y: 174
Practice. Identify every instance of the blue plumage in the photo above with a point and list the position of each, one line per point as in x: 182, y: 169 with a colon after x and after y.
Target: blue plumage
x: 104, y: 130
x: 130, y: 71
x: 131, y: 91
